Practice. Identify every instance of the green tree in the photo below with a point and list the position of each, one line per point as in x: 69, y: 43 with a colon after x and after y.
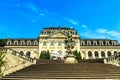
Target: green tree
x: 78, y: 55
x: 41, y: 56
x: 45, y: 55
x: 2, y: 43
x: 2, y: 63
x: 48, y: 55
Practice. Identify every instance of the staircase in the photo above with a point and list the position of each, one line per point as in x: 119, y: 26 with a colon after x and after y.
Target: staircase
x: 49, y: 69
x: 15, y: 62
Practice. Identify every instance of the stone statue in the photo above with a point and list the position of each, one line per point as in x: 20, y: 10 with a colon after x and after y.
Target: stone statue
x: 69, y: 46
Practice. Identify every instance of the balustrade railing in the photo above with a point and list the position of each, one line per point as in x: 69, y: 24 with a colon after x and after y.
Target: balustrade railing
x: 18, y: 54
x: 114, y: 60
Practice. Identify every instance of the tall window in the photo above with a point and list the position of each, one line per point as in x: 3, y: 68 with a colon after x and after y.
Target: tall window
x: 96, y: 54
x: 102, y: 54
x: 59, y: 43
x: 44, y: 43
x: 51, y: 43
x: 109, y: 53
x: 90, y: 55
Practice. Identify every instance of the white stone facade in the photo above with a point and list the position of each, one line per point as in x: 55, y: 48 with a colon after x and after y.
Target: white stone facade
x: 52, y: 39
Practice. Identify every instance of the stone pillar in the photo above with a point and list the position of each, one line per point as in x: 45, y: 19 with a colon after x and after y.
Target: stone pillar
x: 106, y: 55
x: 93, y: 54
x: 86, y: 54
x: 99, y: 54
x: 112, y: 52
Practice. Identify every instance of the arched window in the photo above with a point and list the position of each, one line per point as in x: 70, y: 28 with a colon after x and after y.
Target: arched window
x: 45, y: 33
x: 102, y: 54
x: 96, y: 54
x: 109, y: 53
x: 35, y: 43
x: 9, y: 43
x: 28, y: 53
x: 28, y: 42
x: 15, y: 43
x: 89, y: 54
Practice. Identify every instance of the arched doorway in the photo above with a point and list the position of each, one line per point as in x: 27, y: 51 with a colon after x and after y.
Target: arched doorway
x: 102, y: 54
x: 109, y: 53
x: 89, y: 54
x: 96, y: 55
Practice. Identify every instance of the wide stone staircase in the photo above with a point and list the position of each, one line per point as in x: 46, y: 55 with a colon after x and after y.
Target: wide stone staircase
x: 49, y: 69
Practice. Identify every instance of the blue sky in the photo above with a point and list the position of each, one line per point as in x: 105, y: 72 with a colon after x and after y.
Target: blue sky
x: 91, y: 18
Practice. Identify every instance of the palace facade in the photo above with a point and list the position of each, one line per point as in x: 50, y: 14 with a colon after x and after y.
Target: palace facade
x: 52, y: 39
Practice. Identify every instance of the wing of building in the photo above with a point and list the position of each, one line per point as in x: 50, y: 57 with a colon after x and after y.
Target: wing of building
x: 52, y: 39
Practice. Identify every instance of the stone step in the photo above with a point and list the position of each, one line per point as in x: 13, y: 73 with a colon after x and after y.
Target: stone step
x: 66, y: 71
x: 64, y: 77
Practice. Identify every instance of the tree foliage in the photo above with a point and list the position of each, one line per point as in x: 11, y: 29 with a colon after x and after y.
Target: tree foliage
x: 2, y: 43
x: 77, y: 54
x: 48, y: 55
x: 45, y: 55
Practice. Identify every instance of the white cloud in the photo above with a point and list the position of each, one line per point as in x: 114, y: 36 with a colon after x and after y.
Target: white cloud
x: 110, y: 33
x: 72, y: 21
x: 93, y: 35
x: 84, y: 26
x: 42, y: 14
x: 32, y: 7
x: 101, y: 30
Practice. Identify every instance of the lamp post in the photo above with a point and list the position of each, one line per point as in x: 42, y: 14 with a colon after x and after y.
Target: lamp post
x: 70, y: 58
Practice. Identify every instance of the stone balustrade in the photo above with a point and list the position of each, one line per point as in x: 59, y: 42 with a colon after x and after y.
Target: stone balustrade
x: 25, y: 57
x: 15, y: 61
x: 114, y: 60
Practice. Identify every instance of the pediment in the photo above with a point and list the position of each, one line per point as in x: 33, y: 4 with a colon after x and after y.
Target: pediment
x: 58, y: 34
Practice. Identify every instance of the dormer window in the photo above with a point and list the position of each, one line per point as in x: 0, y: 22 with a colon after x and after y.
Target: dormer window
x: 28, y: 42
x: 15, y: 43
x: 9, y: 43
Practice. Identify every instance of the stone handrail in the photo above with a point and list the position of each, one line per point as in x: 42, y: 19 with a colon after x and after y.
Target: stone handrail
x: 114, y: 60
x: 25, y: 57
x: 15, y: 61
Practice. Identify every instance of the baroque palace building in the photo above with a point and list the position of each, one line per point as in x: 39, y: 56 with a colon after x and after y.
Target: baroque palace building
x: 53, y: 38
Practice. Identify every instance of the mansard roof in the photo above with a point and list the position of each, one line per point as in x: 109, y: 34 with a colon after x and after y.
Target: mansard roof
x: 22, y: 39
x: 86, y: 39
x: 59, y: 27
